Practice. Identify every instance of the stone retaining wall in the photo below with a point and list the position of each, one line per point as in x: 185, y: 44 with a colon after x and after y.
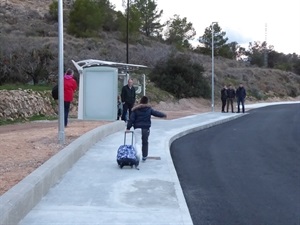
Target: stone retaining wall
x: 23, y: 104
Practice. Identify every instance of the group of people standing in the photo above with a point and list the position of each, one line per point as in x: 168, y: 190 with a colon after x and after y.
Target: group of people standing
x: 229, y: 95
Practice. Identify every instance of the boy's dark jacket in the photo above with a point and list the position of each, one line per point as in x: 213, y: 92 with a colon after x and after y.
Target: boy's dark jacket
x: 141, y: 116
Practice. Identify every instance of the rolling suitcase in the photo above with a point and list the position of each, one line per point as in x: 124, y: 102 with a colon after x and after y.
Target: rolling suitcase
x: 126, y: 154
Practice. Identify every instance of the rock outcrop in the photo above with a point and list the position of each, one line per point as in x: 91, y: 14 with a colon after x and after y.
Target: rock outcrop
x: 23, y: 104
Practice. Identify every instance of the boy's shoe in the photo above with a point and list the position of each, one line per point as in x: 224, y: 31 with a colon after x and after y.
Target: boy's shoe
x: 144, y: 159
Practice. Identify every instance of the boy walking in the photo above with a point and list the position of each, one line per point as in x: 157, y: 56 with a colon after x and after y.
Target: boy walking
x: 140, y: 119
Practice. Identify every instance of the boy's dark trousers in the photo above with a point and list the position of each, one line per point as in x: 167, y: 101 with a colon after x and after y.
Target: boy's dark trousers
x: 145, y: 136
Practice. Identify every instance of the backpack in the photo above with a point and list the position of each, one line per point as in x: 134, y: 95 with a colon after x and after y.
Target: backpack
x: 55, y: 92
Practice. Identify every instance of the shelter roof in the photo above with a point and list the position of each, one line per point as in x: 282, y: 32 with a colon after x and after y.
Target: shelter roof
x: 122, y: 67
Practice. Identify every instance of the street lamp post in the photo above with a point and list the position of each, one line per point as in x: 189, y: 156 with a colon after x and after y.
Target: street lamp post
x: 127, y: 33
x: 212, y: 69
x: 61, y: 131
x: 127, y: 44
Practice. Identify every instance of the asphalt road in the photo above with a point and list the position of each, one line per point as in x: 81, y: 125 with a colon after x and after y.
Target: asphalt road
x: 244, y: 172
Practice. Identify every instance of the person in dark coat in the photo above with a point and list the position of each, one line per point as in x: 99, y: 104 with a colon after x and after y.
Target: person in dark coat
x: 241, y: 95
x: 128, y: 96
x: 230, y: 97
x: 140, y: 120
x: 224, y: 97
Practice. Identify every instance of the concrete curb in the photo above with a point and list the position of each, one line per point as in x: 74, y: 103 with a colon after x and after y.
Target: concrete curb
x: 20, y: 199
x: 196, y: 128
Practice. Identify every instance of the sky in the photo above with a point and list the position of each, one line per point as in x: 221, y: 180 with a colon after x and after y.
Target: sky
x: 277, y: 22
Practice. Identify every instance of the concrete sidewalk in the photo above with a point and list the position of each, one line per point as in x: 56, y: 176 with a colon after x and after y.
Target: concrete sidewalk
x: 96, y: 191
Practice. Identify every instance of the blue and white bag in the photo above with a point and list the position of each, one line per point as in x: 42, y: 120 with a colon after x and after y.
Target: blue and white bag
x: 127, y: 155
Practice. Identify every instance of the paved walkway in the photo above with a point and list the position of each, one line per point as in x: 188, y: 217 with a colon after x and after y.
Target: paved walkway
x: 95, y: 191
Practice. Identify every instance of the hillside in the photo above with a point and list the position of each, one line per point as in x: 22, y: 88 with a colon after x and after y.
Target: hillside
x: 24, y: 25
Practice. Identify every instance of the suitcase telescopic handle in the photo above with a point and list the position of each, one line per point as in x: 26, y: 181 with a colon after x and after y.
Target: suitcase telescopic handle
x: 128, y: 132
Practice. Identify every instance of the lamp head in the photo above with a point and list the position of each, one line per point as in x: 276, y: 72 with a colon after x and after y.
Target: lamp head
x: 213, y: 23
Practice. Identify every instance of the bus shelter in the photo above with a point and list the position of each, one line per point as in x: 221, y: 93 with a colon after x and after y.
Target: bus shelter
x: 98, y: 87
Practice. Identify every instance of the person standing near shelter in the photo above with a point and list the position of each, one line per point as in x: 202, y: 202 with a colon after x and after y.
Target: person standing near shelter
x: 70, y: 86
x: 128, y: 96
x: 120, y: 107
x: 224, y: 97
x: 241, y: 95
x: 230, y: 97
x: 140, y: 119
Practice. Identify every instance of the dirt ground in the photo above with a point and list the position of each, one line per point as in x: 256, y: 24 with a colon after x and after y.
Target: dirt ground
x: 26, y: 146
